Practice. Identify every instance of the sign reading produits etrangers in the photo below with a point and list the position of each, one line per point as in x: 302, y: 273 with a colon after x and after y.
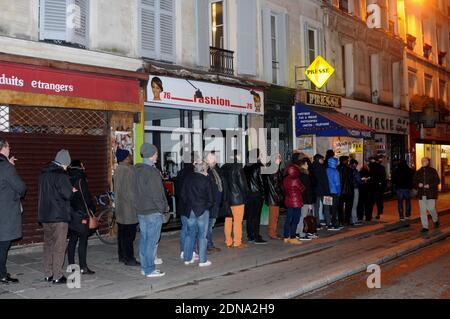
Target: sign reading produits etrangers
x: 42, y: 80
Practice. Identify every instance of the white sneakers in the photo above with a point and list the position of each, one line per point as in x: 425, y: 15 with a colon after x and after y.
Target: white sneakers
x: 196, y: 257
x: 206, y: 264
x: 158, y: 261
x: 156, y: 274
x: 187, y: 263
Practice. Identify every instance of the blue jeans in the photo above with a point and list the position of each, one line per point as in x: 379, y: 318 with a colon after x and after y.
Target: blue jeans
x: 404, y: 194
x: 292, y: 220
x: 197, y: 228
x: 183, y: 234
x: 209, y: 236
x: 150, y: 226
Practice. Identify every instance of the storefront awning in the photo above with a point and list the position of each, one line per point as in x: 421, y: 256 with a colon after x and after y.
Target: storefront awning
x: 327, y: 122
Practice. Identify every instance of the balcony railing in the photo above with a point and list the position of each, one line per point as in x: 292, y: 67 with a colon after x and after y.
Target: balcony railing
x: 222, y: 61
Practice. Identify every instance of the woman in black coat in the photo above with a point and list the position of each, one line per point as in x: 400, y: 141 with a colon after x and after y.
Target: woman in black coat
x: 79, y: 227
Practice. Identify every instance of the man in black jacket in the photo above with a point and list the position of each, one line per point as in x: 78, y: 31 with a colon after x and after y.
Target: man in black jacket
x: 402, y: 180
x: 218, y: 190
x: 55, y: 193
x: 255, y: 200
x: 12, y: 189
x: 321, y: 187
x: 347, y: 190
x: 236, y: 184
x: 378, y: 183
x: 183, y: 175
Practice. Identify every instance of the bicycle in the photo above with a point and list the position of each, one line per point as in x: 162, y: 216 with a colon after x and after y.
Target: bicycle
x: 107, y: 232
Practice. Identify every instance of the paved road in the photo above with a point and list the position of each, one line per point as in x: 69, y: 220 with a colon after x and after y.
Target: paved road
x: 424, y: 274
x: 282, y: 279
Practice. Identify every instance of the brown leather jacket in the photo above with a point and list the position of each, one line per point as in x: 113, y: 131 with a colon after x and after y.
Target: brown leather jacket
x: 427, y: 176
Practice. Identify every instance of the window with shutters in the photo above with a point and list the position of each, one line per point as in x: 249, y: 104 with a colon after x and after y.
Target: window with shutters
x: 64, y: 22
x: 157, y: 29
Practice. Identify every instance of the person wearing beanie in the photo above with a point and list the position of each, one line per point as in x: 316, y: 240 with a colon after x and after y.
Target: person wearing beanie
x: 63, y: 158
x: 54, y: 213
x: 152, y: 208
x: 122, y: 155
x: 126, y: 217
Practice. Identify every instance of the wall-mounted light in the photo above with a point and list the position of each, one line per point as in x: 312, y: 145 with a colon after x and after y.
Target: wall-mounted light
x: 198, y: 93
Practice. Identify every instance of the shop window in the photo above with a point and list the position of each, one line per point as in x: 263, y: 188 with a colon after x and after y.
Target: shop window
x: 64, y: 22
x: 157, y: 29
x: 160, y: 117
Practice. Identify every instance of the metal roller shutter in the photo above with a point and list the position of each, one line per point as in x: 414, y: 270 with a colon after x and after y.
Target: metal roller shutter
x: 35, y: 150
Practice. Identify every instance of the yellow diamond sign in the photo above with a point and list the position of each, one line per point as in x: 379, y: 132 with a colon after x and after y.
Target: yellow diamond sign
x: 319, y: 72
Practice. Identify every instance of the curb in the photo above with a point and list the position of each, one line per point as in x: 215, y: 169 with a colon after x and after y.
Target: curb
x: 359, y: 267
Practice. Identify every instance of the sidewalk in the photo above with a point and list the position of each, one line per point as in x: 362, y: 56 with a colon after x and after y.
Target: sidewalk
x: 113, y: 280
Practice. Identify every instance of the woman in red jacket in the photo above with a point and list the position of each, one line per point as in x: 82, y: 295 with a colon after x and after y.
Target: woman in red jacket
x: 293, y: 189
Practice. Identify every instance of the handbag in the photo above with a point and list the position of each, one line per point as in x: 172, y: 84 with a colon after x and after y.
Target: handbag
x: 77, y: 222
x: 93, y: 220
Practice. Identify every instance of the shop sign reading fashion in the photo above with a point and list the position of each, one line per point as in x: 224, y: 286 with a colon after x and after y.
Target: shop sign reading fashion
x: 41, y: 80
x: 220, y: 98
x: 319, y: 72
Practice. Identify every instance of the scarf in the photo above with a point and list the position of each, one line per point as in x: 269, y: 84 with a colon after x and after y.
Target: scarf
x: 217, y: 179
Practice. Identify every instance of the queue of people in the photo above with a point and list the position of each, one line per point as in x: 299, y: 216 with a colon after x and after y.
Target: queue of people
x: 325, y: 193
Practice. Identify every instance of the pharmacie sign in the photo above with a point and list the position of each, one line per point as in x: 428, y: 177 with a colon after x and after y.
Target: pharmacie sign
x: 175, y: 92
x: 319, y: 72
x: 41, y: 80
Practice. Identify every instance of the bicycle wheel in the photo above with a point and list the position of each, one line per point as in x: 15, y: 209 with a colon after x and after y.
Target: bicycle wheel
x: 107, y: 232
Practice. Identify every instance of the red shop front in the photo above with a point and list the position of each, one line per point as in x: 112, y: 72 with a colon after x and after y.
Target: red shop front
x: 49, y: 105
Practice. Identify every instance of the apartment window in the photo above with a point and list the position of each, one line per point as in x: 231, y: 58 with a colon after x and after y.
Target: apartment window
x: 274, y: 46
x: 312, y: 46
x: 443, y: 90
x: 412, y: 84
x: 275, y: 55
x: 64, y: 22
x: 157, y: 29
x: 428, y: 85
x: 344, y: 73
x: 218, y: 25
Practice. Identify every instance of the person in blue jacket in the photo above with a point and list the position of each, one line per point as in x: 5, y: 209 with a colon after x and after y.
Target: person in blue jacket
x: 334, y: 182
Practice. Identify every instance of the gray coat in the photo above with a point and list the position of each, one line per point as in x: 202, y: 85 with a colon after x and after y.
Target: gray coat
x: 124, y: 194
x: 149, y: 193
x: 12, y: 189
